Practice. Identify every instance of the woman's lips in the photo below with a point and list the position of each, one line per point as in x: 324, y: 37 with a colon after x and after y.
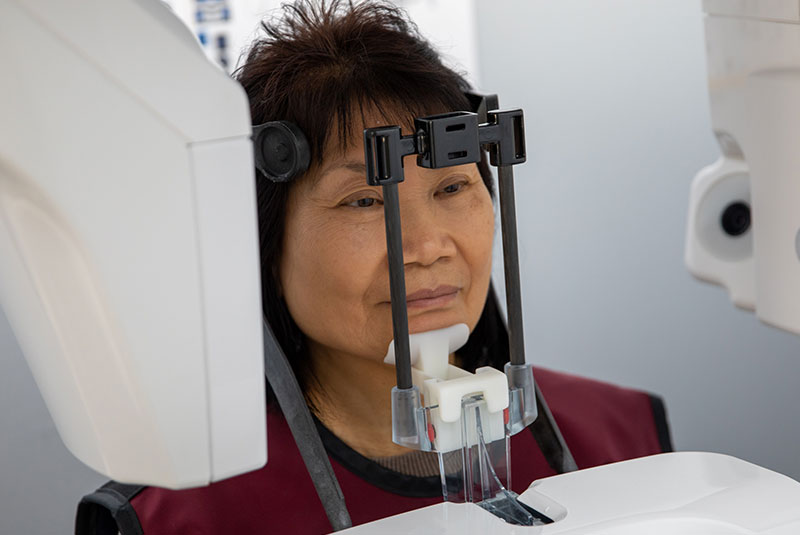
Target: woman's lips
x: 437, y: 297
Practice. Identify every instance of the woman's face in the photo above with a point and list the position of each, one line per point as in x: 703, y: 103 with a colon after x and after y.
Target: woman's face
x: 334, y: 270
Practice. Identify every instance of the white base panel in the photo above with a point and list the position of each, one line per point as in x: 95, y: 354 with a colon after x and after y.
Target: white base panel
x: 670, y: 494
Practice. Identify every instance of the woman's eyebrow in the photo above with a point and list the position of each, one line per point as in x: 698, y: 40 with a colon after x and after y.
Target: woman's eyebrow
x: 356, y: 166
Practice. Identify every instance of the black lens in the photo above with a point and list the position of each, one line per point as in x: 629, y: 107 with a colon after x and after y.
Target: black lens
x: 736, y: 218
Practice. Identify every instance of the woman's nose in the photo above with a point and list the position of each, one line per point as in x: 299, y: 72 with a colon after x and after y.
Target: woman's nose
x: 427, y: 237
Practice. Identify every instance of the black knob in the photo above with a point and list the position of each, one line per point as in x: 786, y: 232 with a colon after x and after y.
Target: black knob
x: 280, y: 150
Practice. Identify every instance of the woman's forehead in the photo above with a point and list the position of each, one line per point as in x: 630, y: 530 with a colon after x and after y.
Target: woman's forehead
x: 348, y: 154
x: 346, y: 131
x: 351, y: 161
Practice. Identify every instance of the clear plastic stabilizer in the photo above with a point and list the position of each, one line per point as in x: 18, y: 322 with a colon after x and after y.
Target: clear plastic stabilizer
x: 467, y: 420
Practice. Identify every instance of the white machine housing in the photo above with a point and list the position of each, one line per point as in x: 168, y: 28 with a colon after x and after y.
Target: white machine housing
x: 753, y: 50
x: 685, y: 493
x: 129, y: 264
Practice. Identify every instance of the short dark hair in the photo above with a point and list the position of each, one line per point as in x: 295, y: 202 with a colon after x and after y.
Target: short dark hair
x: 323, y: 65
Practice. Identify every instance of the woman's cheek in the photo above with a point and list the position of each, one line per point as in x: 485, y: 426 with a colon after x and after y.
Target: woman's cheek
x: 348, y: 258
x: 480, y: 227
x: 351, y: 251
x: 480, y: 242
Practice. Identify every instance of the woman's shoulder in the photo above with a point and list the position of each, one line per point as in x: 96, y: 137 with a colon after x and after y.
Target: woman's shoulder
x: 602, y: 422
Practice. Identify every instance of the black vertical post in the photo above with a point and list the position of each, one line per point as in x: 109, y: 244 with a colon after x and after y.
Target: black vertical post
x: 508, y: 220
x: 397, y: 282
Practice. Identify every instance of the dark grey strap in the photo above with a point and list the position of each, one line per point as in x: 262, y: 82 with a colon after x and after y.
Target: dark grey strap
x: 108, y: 511
x: 662, y: 423
x: 549, y: 438
x: 293, y: 404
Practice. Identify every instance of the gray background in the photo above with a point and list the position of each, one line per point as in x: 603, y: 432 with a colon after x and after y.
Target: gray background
x: 617, y: 124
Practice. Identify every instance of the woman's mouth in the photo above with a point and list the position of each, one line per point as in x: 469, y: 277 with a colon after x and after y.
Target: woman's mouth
x: 436, y: 297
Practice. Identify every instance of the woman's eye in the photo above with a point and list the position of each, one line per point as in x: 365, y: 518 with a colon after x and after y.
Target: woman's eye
x: 363, y: 202
x: 452, y: 188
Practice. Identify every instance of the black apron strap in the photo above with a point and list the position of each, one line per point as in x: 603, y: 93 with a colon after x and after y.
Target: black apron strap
x: 662, y: 424
x: 108, y: 511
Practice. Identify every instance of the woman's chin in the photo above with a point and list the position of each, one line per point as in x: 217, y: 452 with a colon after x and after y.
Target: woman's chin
x: 435, y: 319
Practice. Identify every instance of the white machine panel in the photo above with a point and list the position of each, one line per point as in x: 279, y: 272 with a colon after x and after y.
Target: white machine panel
x: 670, y: 494
x: 786, y: 10
x: 754, y: 87
x: 129, y: 265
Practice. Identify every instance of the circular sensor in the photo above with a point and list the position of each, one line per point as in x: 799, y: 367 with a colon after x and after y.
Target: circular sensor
x: 735, y: 219
x: 722, y: 190
x: 280, y: 150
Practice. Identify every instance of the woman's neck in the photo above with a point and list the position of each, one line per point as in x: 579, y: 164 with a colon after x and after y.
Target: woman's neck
x: 352, y: 397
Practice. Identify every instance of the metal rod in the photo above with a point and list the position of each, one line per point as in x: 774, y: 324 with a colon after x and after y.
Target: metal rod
x: 508, y: 220
x: 293, y: 405
x: 397, y: 283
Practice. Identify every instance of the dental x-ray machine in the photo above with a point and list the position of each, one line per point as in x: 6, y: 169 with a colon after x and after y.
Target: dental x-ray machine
x: 129, y: 272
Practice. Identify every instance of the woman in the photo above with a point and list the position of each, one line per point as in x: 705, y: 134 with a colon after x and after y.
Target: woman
x: 334, y: 70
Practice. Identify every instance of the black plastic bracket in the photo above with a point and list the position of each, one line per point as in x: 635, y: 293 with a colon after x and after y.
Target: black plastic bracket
x: 504, y: 135
x: 482, y: 104
x: 445, y: 140
x: 384, y: 149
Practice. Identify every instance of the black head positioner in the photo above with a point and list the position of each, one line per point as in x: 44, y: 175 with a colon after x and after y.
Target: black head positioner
x: 442, y: 141
x: 280, y: 150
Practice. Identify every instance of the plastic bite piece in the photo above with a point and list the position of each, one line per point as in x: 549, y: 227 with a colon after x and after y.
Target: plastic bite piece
x: 431, y: 350
x: 466, y: 418
x: 437, y: 422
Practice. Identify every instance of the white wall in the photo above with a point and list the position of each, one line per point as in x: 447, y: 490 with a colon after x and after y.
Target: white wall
x: 617, y: 125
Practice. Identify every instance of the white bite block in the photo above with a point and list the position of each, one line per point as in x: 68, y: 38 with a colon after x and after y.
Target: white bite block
x: 490, y: 383
x: 444, y: 386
